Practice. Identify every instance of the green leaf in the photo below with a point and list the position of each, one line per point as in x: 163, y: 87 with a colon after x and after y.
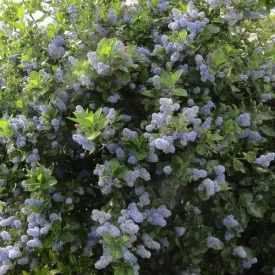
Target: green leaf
x: 122, y: 239
x: 205, y: 35
x: 35, y: 78
x: 177, y: 162
x: 93, y: 136
x: 165, y: 78
x: 28, y: 54
x: 123, y: 76
x: 67, y: 236
x: 273, y: 217
x: 121, y: 171
x: 119, y: 270
x: 268, y: 131
x: 20, y: 103
x: 98, y: 113
x: 228, y: 126
x: 17, y: 25
x: 114, y: 164
x: 54, y: 271
x: 42, y: 271
x: 226, y: 253
x: 182, y: 35
x: 56, y: 228
x: 105, y: 46
x: 144, y: 75
x: 48, y: 242
x: 3, y: 124
x: 257, y: 210
x: 129, y: 270
x: 238, y: 165
x: 60, y: 17
x: 203, y: 196
x: 124, y: 270
x: 200, y: 149
x: 108, y: 239
x: 233, y: 52
x: 82, y: 119
x: 40, y: 177
x: 51, y: 30
x: 176, y: 76
x: 180, y: 92
x: 73, y: 259
x: 265, y: 116
x: 218, y: 57
x: 149, y: 93
x: 21, y: 13
x: 212, y: 28
x: 250, y: 156
x: 141, y: 155
x: 72, y: 223
x: 33, y: 185
x: 246, y: 197
x: 51, y: 182
x: 116, y: 251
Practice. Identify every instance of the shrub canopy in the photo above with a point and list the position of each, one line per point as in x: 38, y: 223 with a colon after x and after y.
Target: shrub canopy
x: 137, y: 138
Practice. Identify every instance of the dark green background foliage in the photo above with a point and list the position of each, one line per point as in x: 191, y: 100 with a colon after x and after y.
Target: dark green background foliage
x: 137, y: 139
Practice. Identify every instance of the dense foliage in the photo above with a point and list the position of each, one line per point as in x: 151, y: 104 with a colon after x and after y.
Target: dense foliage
x: 137, y: 138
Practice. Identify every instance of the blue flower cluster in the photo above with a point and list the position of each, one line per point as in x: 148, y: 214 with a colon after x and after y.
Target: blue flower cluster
x: 247, y: 264
x: 100, y: 67
x: 56, y: 47
x: 239, y: 252
x: 81, y: 140
x: 104, y: 261
x: 72, y: 13
x: 209, y: 187
x: 204, y: 68
x: 219, y: 171
x: 244, y: 119
x: 105, y: 178
x: 132, y: 175
x: 192, y: 20
x: 197, y: 173
x: 230, y: 222
x: 264, y: 160
x: 161, y: 7
x: 232, y: 17
x: 180, y: 230
x: 213, y: 242
x: 156, y: 216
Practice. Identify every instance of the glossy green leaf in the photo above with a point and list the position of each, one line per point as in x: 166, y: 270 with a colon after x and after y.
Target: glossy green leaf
x: 180, y: 92
x: 218, y: 57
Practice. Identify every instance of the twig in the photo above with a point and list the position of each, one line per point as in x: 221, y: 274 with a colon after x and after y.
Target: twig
x: 30, y: 14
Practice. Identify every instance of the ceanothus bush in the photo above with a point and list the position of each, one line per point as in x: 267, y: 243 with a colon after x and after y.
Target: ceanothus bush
x: 137, y: 138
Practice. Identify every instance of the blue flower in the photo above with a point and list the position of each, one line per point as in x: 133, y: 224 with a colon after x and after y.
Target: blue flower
x: 240, y: 252
x: 244, y: 119
x: 5, y: 236
x: 180, y: 230
x: 81, y: 140
x: 143, y: 252
x: 264, y: 160
x: 230, y: 222
x: 167, y: 169
x: 35, y: 243
x: 212, y: 242
x: 104, y: 261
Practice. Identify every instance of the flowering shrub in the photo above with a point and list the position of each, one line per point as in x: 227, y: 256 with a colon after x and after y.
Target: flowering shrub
x: 137, y: 138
